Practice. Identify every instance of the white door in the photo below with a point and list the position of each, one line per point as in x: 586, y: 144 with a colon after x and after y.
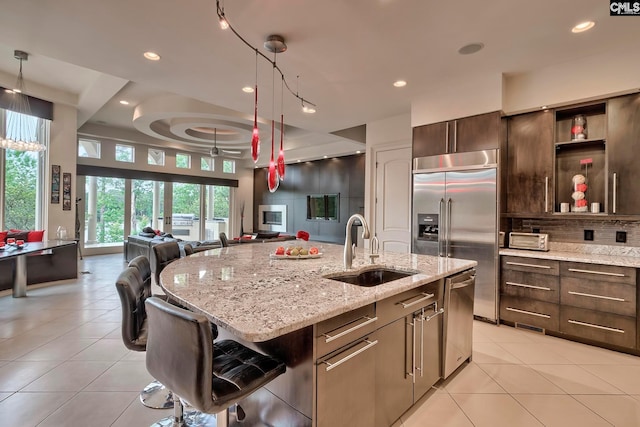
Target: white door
x: 393, y: 199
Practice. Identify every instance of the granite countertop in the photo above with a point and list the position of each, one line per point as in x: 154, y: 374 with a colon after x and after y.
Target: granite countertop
x: 622, y: 256
x: 257, y: 298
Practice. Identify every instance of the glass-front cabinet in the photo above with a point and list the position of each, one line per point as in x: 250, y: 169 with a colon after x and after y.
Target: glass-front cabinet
x: 580, y: 159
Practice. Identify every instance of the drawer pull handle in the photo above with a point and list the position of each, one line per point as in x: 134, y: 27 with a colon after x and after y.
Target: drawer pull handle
x: 522, y: 285
x: 404, y: 304
x: 531, y: 313
x: 602, y: 273
x: 590, y: 325
x: 522, y: 264
x: 596, y: 296
x: 329, y: 338
x: 330, y: 365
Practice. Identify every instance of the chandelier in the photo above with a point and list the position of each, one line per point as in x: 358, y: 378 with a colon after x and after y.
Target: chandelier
x: 22, y: 127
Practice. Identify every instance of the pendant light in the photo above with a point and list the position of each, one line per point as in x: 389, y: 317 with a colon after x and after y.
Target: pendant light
x: 272, y: 178
x: 21, y: 127
x: 255, y: 137
x: 281, y: 152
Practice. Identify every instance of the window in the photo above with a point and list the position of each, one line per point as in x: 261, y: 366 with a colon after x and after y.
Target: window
x: 125, y: 153
x: 207, y: 164
x: 22, y: 190
x: 217, y: 200
x: 147, y: 205
x: 323, y: 207
x: 186, y: 211
x: 183, y: 161
x: 229, y: 166
x: 89, y: 148
x: 104, y: 207
x: 155, y: 157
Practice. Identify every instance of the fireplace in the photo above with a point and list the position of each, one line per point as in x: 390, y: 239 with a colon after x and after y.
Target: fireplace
x: 272, y: 218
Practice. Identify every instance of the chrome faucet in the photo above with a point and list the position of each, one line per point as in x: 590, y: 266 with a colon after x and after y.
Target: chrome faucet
x: 349, y: 248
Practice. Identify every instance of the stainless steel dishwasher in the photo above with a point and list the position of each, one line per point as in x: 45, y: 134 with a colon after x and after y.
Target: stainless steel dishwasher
x: 458, y: 320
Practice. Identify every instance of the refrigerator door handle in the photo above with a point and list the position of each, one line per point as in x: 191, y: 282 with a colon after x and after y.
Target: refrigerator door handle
x: 441, y: 235
x: 448, y: 236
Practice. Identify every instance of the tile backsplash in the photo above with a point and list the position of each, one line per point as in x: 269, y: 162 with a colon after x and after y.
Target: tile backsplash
x: 572, y: 230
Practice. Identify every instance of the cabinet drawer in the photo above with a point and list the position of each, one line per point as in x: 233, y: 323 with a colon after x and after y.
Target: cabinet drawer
x: 603, y: 273
x: 530, y: 312
x: 593, y: 294
x: 407, y: 302
x: 345, y: 328
x: 530, y: 285
x: 530, y: 265
x: 598, y: 326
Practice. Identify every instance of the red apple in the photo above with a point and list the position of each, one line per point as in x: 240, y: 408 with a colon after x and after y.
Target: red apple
x: 280, y: 250
x: 313, y: 250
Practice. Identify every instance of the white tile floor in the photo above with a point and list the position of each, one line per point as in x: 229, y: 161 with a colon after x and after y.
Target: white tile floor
x: 62, y: 363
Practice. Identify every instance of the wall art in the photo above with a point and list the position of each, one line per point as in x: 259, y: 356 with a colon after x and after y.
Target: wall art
x: 55, y: 184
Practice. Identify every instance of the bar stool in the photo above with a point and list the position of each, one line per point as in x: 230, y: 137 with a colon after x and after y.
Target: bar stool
x: 188, y: 249
x: 209, y: 376
x: 163, y: 254
x: 131, y: 289
x: 223, y: 239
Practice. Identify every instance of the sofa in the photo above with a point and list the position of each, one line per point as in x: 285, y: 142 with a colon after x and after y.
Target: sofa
x: 141, y: 243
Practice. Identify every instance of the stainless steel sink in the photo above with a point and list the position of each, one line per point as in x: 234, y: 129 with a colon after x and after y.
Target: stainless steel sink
x: 373, y: 277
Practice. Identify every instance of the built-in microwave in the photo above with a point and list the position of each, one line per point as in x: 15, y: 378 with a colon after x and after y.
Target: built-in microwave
x: 530, y: 241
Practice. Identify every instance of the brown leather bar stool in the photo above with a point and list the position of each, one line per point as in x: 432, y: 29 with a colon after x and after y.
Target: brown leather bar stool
x: 188, y: 249
x: 208, y: 376
x: 143, y: 265
x: 132, y: 291
x: 163, y: 254
x: 223, y: 239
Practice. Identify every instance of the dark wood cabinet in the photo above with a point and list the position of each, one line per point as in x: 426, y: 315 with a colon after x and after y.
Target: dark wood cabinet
x: 530, y: 163
x: 474, y: 133
x: 583, y: 301
x: 623, y: 144
x: 481, y: 132
x: 529, y: 292
x: 430, y: 140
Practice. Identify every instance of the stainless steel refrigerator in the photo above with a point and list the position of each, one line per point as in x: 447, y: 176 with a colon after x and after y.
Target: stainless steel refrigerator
x: 455, y: 214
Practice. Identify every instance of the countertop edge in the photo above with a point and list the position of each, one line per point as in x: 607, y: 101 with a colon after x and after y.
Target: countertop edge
x: 620, y: 261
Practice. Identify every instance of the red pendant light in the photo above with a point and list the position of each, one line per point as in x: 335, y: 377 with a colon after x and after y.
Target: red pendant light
x: 255, y: 137
x: 272, y: 178
x: 281, y: 152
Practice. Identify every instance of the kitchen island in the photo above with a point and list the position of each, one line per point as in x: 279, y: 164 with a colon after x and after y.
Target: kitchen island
x: 286, y: 307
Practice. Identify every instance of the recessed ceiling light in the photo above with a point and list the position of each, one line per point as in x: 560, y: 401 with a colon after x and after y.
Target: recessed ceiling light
x: 583, y: 26
x: 152, y: 56
x: 8, y: 91
x: 325, y: 157
x: 471, y: 48
x: 247, y: 89
x: 544, y: 107
x: 399, y: 83
x: 358, y: 152
x: 298, y: 160
x: 124, y: 102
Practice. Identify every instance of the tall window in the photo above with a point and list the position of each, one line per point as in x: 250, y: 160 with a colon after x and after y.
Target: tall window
x: 217, y: 200
x: 22, y: 181
x: 104, y: 207
x: 147, y: 205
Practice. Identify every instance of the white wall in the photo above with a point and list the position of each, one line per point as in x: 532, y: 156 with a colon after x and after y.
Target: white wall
x: 612, y: 73
x: 61, y: 152
x: 457, y: 98
x: 387, y: 133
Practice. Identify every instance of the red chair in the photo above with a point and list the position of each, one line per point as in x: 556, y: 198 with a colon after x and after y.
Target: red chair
x: 301, y: 234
